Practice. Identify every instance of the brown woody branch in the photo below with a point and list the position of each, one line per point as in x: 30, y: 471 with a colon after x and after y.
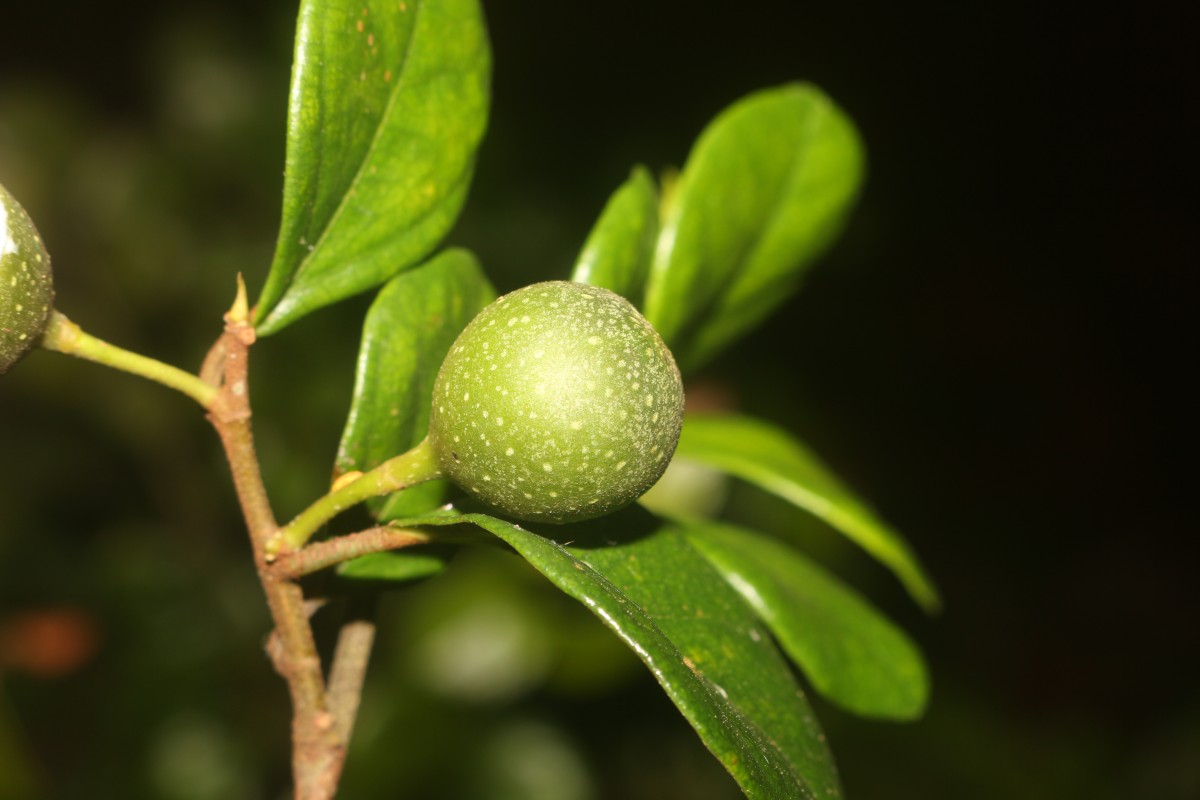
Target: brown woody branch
x: 319, y: 735
x: 326, y: 553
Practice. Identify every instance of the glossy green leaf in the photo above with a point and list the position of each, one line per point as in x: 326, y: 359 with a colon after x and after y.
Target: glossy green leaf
x: 619, y: 249
x: 774, y: 460
x: 407, y: 332
x: 650, y: 586
x: 388, y: 105
x: 850, y: 652
x: 764, y: 192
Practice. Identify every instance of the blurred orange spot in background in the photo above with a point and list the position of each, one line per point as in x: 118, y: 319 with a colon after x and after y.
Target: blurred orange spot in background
x: 48, y: 643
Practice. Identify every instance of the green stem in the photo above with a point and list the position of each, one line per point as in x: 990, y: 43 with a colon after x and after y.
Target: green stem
x: 64, y: 336
x: 416, y: 466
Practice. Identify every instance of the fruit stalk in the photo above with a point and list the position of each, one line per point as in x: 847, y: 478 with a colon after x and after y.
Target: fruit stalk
x: 64, y: 336
x: 408, y: 469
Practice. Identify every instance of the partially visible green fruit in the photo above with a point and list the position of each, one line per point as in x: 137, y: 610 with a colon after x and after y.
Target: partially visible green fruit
x: 26, y: 285
x: 558, y: 403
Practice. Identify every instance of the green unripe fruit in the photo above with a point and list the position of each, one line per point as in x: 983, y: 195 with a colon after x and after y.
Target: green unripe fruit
x: 26, y: 286
x: 558, y: 403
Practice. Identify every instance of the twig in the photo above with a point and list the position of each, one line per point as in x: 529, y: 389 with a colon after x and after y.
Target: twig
x: 213, y: 366
x: 318, y: 750
x: 349, y: 669
x: 319, y: 555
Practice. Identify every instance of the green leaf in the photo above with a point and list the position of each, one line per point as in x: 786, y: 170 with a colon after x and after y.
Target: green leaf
x: 400, y: 567
x: 764, y: 192
x: 388, y: 105
x: 772, y: 459
x: 850, y: 652
x: 650, y: 586
x: 407, y: 332
x: 619, y: 249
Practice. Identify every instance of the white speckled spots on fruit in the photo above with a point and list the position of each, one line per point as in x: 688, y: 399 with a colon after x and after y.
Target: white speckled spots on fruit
x: 26, y: 286
x: 553, y: 411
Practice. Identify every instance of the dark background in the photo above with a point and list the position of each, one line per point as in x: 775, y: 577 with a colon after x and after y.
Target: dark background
x: 993, y: 354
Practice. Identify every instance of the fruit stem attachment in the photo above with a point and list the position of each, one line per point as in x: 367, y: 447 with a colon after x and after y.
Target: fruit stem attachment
x: 408, y: 469
x: 64, y: 336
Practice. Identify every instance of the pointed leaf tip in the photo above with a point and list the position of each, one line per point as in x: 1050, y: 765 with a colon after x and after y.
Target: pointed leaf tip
x: 388, y: 106
x: 764, y: 192
x: 777, y: 462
